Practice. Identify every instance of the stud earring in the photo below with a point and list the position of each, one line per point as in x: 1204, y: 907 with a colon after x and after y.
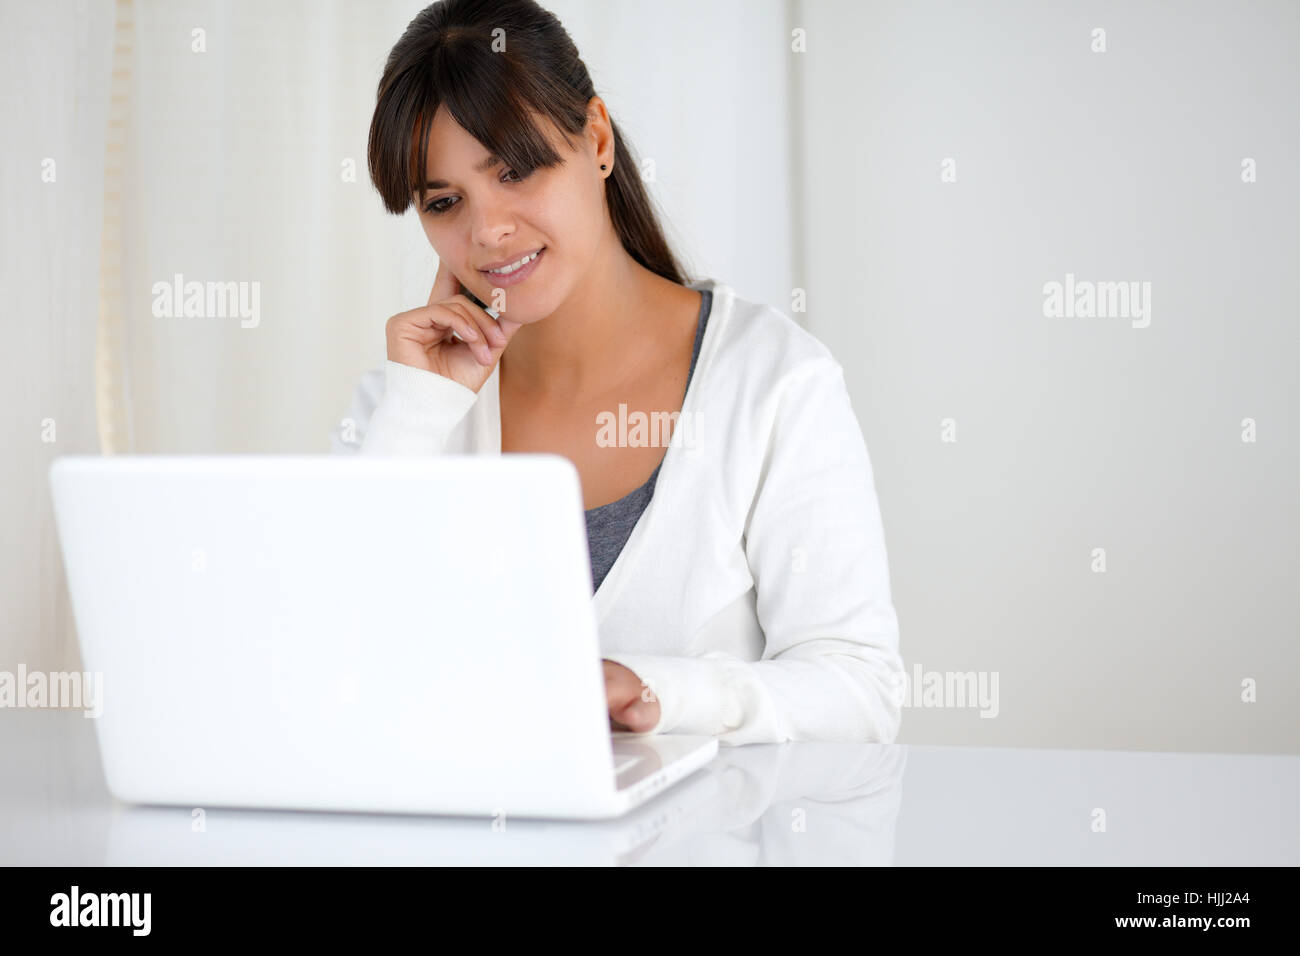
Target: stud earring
x: 602, y: 166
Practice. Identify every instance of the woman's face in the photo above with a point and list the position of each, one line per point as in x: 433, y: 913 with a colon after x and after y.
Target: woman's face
x: 479, y: 213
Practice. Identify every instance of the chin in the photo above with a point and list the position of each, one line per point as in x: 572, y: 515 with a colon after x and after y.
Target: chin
x: 527, y: 316
x: 526, y: 310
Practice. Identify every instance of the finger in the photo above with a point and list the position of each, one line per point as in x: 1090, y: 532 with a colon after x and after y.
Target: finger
x: 500, y: 329
x: 420, y: 329
x: 492, y: 333
x: 445, y: 283
x: 467, y: 327
x: 618, y: 697
x: 635, y: 716
x: 508, y: 326
x: 431, y: 326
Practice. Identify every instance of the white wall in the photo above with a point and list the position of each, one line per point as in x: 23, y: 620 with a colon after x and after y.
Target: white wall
x: 1072, y: 433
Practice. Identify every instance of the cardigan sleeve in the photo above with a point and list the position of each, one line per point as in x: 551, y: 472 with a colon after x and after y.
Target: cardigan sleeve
x: 815, y: 545
x: 401, y: 410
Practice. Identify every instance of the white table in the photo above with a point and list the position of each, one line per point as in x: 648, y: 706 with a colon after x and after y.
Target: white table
x: 795, y: 803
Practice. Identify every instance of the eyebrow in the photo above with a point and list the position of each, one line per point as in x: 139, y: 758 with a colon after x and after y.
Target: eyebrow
x: 482, y: 167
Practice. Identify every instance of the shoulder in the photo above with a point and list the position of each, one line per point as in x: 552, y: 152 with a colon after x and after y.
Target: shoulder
x: 786, y: 402
x: 763, y: 346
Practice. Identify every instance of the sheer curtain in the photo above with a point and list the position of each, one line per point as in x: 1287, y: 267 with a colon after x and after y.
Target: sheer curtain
x: 247, y: 165
x: 55, y: 67
x: 223, y: 143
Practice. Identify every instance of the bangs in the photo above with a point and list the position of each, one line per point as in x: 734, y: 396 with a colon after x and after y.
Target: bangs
x: 489, y: 94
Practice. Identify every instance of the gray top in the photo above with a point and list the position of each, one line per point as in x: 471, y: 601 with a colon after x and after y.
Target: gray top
x: 609, y: 526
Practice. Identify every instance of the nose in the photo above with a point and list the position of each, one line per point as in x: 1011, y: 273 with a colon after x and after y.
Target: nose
x: 493, y: 222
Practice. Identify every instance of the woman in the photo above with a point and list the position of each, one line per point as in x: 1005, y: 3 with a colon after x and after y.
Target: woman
x: 739, y: 566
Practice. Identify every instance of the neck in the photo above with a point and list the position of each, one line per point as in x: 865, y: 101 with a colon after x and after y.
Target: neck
x: 586, y: 344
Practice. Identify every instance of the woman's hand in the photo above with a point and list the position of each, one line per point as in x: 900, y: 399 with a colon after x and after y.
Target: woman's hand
x: 423, y: 337
x: 632, y: 705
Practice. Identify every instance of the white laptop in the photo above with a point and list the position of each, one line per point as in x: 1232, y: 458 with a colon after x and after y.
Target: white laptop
x: 324, y: 632
x: 147, y: 835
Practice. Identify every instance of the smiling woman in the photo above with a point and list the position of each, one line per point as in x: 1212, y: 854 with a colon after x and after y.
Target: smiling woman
x: 738, y: 569
x: 509, y: 76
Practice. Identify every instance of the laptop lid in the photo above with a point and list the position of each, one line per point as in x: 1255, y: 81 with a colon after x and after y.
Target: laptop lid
x: 340, y: 632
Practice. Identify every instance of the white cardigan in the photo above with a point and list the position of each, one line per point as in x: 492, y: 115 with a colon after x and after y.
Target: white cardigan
x: 753, y: 594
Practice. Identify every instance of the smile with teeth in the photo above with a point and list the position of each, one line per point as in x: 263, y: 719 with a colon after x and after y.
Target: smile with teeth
x: 514, y: 266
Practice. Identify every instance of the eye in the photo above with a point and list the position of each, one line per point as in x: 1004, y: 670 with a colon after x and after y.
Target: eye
x: 436, y: 209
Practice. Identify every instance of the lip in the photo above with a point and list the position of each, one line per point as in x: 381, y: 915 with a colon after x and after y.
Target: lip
x: 519, y: 275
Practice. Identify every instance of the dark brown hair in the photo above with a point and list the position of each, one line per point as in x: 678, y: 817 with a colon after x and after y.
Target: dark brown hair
x: 451, y: 54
